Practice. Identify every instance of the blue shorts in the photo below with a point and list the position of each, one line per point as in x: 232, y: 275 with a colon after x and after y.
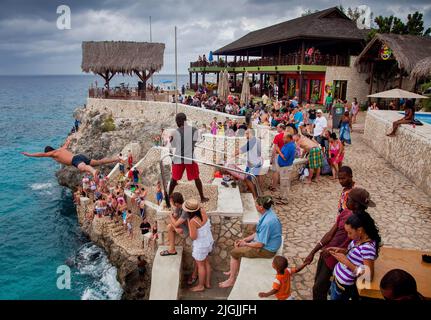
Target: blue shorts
x: 253, y: 170
x: 159, y: 196
x: 80, y: 158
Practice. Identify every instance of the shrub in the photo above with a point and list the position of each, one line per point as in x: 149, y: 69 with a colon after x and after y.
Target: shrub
x: 108, y: 125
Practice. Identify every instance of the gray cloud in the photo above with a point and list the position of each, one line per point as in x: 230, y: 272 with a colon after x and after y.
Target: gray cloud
x: 31, y: 43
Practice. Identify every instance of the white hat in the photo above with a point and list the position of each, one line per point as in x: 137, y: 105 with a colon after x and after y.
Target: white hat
x: 319, y: 111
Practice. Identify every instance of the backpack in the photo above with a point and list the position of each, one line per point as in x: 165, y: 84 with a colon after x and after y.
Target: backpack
x: 326, y: 169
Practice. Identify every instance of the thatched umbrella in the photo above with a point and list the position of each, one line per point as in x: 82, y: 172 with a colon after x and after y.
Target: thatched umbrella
x: 245, y: 93
x: 422, y: 69
x: 220, y: 84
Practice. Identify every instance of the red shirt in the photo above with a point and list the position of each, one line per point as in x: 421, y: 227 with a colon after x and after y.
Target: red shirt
x: 278, y: 140
x: 340, y: 239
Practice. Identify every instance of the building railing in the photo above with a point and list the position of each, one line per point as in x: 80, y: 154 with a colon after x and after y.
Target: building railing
x: 289, y: 59
x: 206, y: 163
x: 130, y: 94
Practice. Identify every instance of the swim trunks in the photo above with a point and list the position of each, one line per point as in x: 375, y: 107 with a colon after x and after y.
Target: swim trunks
x: 78, y: 159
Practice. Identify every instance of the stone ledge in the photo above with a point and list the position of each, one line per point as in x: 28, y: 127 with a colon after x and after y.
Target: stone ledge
x: 165, y: 279
x: 263, y: 275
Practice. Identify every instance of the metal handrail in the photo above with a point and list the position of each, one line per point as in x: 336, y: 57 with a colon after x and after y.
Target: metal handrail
x: 219, y: 151
x: 253, y: 177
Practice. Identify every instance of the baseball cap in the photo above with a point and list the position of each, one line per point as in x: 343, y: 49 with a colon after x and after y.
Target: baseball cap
x: 362, y: 197
x: 319, y: 111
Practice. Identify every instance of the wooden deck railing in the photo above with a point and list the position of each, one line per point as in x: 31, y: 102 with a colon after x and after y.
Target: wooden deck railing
x: 290, y: 59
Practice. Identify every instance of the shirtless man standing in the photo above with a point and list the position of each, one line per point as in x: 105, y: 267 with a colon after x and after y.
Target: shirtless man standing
x: 64, y: 156
x: 315, y: 160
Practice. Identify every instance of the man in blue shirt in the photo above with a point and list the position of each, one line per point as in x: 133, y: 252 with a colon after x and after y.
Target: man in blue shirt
x: 294, y: 102
x: 264, y: 243
x: 298, y: 117
x: 286, y: 164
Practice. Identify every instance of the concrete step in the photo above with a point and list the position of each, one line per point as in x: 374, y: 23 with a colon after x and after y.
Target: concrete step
x: 215, y: 293
x: 229, y: 201
x: 165, y: 277
x: 250, y: 216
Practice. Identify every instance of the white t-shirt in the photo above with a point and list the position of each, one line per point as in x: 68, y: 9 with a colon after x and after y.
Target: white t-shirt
x: 321, y: 124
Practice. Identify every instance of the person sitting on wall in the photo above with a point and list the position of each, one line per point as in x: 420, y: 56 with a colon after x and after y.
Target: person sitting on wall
x: 264, y: 243
x: 407, y: 119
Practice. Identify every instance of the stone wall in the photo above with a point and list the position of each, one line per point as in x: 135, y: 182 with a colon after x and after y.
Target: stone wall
x: 409, y: 151
x: 225, y: 231
x: 154, y: 111
x: 357, y: 87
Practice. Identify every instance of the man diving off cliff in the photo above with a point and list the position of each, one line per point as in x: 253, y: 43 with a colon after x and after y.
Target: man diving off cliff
x: 80, y: 161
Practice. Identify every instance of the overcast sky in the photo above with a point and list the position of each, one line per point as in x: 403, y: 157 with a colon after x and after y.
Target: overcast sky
x: 31, y: 43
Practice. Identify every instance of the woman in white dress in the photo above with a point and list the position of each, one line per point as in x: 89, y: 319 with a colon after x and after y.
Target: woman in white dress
x: 200, y: 233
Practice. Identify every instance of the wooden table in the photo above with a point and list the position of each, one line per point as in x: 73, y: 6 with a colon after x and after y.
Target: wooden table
x: 407, y: 260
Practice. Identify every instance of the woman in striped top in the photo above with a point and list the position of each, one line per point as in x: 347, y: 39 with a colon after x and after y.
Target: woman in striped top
x: 359, y: 257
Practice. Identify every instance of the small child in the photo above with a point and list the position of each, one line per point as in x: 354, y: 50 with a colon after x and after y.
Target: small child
x: 220, y: 129
x: 129, y: 219
x: 122, y: 164
x: 281, y: 284
x: 159, y: 194
x: 155, y: 233
x: 130, y: 159
x: 213, y: 126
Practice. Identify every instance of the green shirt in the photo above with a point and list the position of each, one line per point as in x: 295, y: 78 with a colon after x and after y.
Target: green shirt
x: 328, y: 100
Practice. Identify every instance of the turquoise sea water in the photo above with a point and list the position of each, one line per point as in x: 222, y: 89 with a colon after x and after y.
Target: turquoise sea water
x: 38, y: 225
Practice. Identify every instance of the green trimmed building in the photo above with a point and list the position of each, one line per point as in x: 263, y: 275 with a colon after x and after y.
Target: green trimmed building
x: 306, y: 57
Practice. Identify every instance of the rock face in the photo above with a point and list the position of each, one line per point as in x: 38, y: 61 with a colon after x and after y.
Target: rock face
x: 136, y: 285
x: 92, y: 141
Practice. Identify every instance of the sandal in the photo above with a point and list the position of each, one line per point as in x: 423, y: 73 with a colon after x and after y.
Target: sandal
x: 191, y: 281
x: 165, y: 253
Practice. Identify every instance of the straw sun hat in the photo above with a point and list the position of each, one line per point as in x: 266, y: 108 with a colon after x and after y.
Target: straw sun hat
x: 191, y: 205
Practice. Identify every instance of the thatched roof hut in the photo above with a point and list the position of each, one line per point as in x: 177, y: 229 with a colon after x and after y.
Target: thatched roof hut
x: 422, y: 69
x: 331, y: 24
x: 407, y: 50
x: 106, y: 58
x: 121, y: 56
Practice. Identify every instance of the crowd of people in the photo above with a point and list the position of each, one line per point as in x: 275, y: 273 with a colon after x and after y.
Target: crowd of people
x: 348, y: 250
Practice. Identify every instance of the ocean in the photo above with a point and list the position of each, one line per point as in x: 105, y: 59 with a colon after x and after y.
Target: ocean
x: 39, y: 231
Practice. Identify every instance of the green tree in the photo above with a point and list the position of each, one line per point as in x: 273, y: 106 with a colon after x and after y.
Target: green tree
x: 392, y: 24
x: 415, y: 25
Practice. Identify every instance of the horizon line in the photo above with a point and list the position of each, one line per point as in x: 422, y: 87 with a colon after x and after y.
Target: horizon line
x: 76, y: 74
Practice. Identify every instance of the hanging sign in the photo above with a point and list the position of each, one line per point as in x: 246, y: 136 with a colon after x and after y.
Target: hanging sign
x: 328, y: 87
x: 385, y: 52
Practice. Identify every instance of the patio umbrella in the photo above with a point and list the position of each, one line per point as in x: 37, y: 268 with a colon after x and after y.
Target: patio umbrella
x: 224, y: 85
x: 397, y: 94
x: 245, y: 93
x: 220, y: 84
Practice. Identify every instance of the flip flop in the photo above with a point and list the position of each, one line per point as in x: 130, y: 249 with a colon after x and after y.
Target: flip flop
x: 165, y: 253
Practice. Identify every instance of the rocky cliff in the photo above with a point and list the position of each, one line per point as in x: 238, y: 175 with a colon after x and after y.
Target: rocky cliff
x: 98, y: 140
